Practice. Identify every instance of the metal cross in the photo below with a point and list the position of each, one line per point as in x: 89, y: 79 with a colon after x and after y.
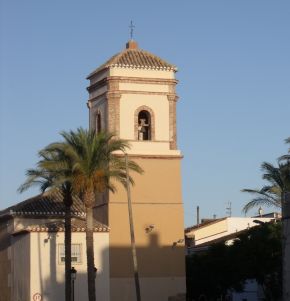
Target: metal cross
x: 131, y: 29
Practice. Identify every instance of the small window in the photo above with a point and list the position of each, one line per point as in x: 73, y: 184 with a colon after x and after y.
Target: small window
x: 144, y: 125
x: 75, y: 253
x: 98, y: 122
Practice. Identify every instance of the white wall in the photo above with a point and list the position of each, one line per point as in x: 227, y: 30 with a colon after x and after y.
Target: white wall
x: 47, y: 273
x: 236, y: 224
x: 143, y: 73
x: 223, y: 228
x: 20, y: 272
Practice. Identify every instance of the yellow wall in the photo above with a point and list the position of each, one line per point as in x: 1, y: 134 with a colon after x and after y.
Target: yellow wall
x: 152, y: 148
x: 156, y: 199
x: 152, y: 289
x: 160, y: 183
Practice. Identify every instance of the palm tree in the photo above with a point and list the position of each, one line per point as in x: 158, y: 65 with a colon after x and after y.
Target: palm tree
x: 287, y: 156
x: 268, y: 195
x: 286, y: 224
x: 95, y: 165
x: 53, y: 175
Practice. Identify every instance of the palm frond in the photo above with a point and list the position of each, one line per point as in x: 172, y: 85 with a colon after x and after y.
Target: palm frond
x: 272, y: 174
x: 270, y: 195
x: 261, y: 201
x: 84, y: 161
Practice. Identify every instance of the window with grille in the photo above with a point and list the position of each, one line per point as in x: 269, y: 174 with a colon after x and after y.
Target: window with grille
x: 76, y: 254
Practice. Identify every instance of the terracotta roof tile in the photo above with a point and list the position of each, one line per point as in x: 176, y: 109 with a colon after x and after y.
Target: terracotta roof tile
x: 136, y: 58
x: 44, y: 205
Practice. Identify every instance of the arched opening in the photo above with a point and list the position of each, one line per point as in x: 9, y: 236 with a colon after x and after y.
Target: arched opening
x: 144, y: 125
x: 98, y: 122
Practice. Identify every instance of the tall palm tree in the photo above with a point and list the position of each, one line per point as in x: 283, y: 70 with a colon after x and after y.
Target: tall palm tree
x: 53, y: 175
x: 286, y: 224
x: 95, y: 165
x: 278, y: 194
x: 287, y: 156
x: 268, y: 195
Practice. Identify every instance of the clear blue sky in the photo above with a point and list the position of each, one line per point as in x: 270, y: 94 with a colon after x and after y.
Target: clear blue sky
x: 234, y: 72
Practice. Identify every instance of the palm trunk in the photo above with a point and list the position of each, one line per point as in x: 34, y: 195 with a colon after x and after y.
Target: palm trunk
x: 67, y: 248
x: 90, y: 247
x: 132, y: 234
x: 67, y: 200
x: 286, y: 245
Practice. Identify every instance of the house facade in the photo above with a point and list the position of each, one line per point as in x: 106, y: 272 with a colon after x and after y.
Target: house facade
x: 222, y: 229
x: 32, y: 252
x: 199, y: 238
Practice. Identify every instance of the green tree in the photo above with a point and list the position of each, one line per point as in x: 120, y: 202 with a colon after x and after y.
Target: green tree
x: 211, y: 273
x: 259, y: 253
x: 286, y: 224
x: 254, y: 254
x: 95, y: 167
x: 52, y: 175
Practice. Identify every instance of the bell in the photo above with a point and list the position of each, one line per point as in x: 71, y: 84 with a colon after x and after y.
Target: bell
x: 143, y: 129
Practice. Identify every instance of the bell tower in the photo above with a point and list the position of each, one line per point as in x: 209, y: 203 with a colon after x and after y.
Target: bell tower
x: 133, y: 95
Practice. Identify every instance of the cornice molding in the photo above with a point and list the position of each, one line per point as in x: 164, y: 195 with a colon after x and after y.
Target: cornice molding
x: 165, y: 157
x: 136, y: 80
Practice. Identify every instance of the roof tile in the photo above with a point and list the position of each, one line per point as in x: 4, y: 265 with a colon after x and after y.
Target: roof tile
x: 45, y: 204
x: 136, y: 58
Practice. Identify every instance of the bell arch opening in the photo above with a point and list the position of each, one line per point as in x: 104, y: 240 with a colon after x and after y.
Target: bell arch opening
x: 144, y: 124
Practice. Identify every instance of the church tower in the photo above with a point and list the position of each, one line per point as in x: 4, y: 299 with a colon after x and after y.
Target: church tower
x: 133, y: 95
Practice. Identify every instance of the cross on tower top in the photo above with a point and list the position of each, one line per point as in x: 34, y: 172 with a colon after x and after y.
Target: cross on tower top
x: 132, y: 26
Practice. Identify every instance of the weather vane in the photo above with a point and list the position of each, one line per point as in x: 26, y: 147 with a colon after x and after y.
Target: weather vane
x: 132, y: 26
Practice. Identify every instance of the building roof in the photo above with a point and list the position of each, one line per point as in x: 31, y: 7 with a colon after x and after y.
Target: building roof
x: 44, y: 205
x: 223, y: 239
x: 206, y: 223
x: 51, y: 207
x: 134, y: 57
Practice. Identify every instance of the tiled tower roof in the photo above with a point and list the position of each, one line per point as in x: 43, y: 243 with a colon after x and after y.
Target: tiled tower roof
x: 134, y: 57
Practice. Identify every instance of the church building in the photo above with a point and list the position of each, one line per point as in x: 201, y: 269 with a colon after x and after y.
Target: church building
x: 133, y: 96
